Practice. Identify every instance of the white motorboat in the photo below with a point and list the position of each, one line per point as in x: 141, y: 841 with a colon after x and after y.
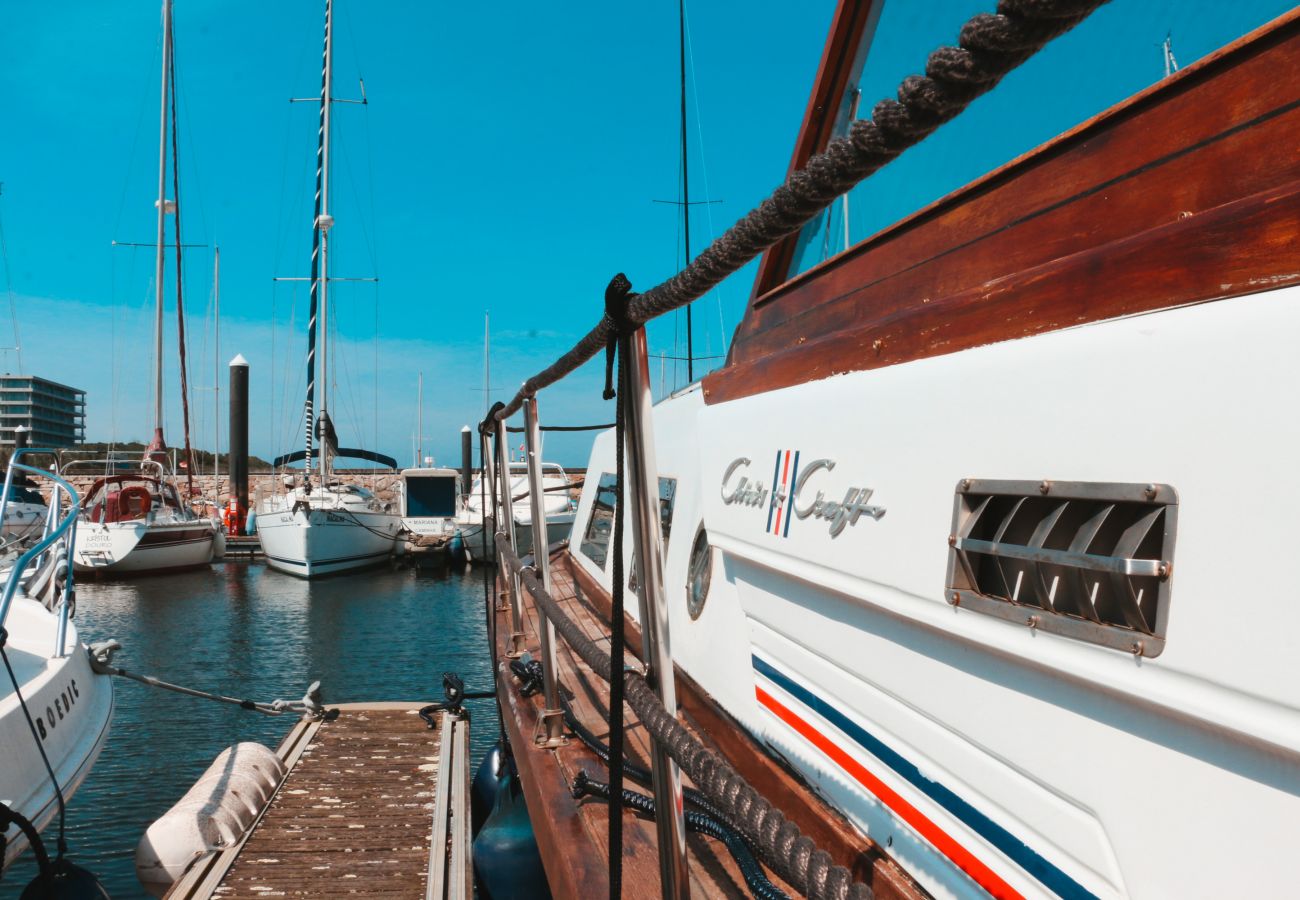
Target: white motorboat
x: 430, y: 501
x: 25, y: 513
x: 558, y: 504
x: 136, y: 523
x: 65, y: 707
x: 326, y: 528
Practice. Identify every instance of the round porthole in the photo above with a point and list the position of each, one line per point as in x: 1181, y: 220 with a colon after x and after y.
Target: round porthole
x: 699, y: 574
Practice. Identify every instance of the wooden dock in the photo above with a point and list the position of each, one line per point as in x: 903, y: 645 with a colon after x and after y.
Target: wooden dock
x: 374, y: 804
x: 243, y: 546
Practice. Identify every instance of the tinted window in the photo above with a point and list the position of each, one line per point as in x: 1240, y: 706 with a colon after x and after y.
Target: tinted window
x: 431, y: 496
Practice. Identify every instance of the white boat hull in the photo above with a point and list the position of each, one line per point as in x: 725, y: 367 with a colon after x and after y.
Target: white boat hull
x: 558, y: 528
x: 987, y: 755
x: 315, y: 542
x: 71, y: 708
x: 137, y: 547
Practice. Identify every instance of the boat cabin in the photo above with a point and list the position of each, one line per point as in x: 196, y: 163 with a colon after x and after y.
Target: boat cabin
x: 430, y: 500
x: 126, y: 498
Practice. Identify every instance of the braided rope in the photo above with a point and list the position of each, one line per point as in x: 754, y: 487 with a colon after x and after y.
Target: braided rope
x: 989, y: 46
x: 786, y: 850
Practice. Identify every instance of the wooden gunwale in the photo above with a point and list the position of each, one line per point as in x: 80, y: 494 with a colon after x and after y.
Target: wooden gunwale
x: 571, y: 834
x: 1169, y: 173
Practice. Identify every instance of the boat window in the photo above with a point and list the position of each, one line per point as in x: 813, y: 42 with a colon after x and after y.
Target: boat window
x: 431, y: 496
x: 20, y: 494
x: 1116, y: 52
x: 600, y: 527
x: 667, y: 499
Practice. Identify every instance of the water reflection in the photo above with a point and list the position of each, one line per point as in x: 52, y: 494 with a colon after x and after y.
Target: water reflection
x: 243, y: 630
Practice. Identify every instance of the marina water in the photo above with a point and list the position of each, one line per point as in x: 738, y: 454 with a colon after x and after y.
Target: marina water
x: 242, y: 630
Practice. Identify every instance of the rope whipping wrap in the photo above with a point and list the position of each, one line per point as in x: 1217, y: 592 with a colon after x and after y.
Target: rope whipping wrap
x: 989, y: 46
x: 782, y: 846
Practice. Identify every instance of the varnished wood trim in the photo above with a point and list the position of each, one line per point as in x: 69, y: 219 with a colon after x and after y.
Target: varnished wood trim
x: 1184, y: 193
x: 841, y: 66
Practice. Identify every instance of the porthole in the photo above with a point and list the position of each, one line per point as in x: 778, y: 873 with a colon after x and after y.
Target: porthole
x: 700, y: 573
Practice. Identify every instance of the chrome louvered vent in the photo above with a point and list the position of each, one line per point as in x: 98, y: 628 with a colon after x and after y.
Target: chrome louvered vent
x: 1087, y: 560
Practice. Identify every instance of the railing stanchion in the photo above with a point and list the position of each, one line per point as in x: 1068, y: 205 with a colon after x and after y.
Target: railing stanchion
x: 550, y: 728
x: 505, y: 523
x: 643, y: 488
x: 488, y: 503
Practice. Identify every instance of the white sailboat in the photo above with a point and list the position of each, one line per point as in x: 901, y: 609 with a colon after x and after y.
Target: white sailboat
x: 47, y: 677
x: 326, y: 527
x: 137, y: 522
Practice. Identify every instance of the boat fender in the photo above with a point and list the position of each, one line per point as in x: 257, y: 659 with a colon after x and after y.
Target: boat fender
x: 218, y: 540
x: 507, y: 864
x: 250, y: 524
x: 457, y: 555
x: 485, y: 787
x: 214, y: 814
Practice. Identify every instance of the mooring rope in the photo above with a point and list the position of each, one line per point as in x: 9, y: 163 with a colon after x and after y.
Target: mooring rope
x: 989, y: 46
x: 780, y: 843
x: 101, y: 656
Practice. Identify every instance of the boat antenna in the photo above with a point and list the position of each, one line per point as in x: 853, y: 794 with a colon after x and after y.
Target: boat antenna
x: 1167, y: 49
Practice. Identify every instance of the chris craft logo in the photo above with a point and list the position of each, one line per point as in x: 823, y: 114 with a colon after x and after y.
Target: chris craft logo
x: 795, y: 494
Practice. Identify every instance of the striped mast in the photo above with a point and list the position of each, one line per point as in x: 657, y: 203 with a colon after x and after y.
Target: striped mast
x: 158, y: 446
x: 319, y: 268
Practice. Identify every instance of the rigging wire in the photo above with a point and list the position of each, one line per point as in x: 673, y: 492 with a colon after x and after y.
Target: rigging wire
x: 180, y: 297
x: 9, y: 287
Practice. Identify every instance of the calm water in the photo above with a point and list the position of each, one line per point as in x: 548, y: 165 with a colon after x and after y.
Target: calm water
x: 243, y: 630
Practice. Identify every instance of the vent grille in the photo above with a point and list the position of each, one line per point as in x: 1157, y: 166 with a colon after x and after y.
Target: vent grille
x: 1087, y: 560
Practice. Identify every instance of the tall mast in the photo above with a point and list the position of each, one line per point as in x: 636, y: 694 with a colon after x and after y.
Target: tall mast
x: 323, y: 222
x: 487, y: 365
x: 216, y: 367
x: 686, y: 191
x: 319, y: 269
x: 162, y: 222
x: 419, y: 424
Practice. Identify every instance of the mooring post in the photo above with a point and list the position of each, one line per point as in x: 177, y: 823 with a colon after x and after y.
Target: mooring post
x: 647, y: 527
x: 505, y: 524
x: 466, y: 461
x: 550, y: 728
x: 237, y: 462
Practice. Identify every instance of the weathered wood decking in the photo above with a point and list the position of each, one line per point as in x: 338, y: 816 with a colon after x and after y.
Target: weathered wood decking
x: 572, y: 834
x: 374, y: 804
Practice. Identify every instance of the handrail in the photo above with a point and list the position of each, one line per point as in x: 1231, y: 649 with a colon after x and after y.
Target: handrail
x: 990, y: 46
x: 53, y: 535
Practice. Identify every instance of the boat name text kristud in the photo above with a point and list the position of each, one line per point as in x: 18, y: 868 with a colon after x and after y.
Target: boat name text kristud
x: 740, y: 489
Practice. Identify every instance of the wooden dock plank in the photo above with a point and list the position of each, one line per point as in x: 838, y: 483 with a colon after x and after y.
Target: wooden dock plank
x: 354, y: 816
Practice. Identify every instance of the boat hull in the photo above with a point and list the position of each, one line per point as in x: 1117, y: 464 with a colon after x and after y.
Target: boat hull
x: 558, y: 528
x: 316, y: 542
x: 139, y: 548
x: 71, y: 708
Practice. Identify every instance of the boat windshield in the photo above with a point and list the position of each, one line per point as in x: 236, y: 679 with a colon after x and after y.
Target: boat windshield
x: 1121, y: 49
x: 21, y: 494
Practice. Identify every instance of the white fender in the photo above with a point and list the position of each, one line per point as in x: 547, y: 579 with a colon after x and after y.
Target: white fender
x: 214, y: 814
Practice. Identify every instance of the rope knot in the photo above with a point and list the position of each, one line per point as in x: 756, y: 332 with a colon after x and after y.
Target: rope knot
x: 488, y: 426
x: 618, y: 295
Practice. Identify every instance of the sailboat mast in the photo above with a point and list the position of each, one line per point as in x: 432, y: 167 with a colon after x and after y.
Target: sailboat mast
x: 320, y: 225
x: 162, y: 226
x: 686, y: 191
x: 216, y: 367
x: 323, y: 223
x: 419, y: 423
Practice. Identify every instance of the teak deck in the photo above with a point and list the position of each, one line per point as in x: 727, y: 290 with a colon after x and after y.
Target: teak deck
x: 572, y: 834
x: 374, y: 804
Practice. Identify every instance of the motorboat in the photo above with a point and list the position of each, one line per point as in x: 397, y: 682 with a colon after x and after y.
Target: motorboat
x: 52, y: 705
x: 558, y: 504
x: 430, y: 501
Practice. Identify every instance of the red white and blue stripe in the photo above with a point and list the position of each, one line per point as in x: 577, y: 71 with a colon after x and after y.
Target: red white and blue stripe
x: 847, y: 732
x: 781, y: 510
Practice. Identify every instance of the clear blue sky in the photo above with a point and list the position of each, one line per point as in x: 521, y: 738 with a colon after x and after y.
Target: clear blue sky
x: 507, y: 162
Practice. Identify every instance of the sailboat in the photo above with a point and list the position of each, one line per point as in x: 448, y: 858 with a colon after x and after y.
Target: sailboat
x: 324, y: 527
x: 135, y: 522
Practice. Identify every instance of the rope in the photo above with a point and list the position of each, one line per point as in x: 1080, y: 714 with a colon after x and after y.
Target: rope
x: 616, y: 297
x: 779, y: 842
x: 101, y: 656
x: 519, y: 430
x: 989, y: 46
x: 755, y: 878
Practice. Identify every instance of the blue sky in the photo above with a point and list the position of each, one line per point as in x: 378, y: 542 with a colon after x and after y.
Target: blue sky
x: 507, y: 162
